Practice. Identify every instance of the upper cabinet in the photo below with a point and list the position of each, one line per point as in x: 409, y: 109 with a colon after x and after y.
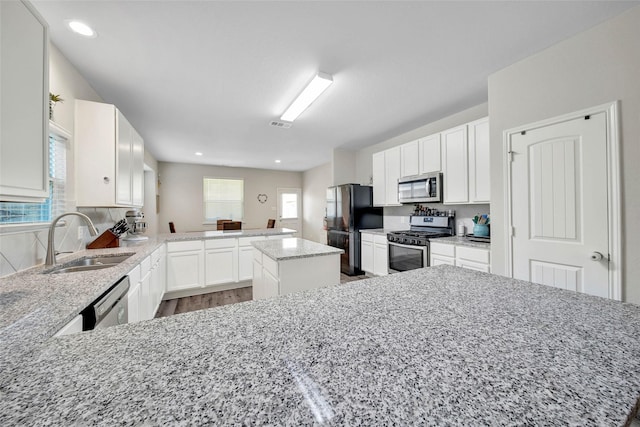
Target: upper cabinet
x: 410, y: 159
x: 386, y: 172
x: 109, y: 157
x: 430, y: 154
x: 24, y: 93
x: 465, y: 163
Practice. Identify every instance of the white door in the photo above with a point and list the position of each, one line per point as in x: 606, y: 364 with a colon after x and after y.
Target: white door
x: 559, y: 205
x: 290, y: 209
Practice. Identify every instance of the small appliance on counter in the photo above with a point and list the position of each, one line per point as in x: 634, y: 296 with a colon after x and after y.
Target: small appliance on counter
x: 137, y: 226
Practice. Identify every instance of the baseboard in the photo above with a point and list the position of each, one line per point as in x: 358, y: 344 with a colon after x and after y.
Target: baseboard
x: 205, y: 290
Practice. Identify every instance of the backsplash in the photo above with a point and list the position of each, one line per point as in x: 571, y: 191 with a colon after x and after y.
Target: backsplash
x: 397, y: 217
x: 21, y: 250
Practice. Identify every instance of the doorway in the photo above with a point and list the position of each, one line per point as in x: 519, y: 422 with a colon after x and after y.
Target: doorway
x: 563, y: 202
x: 290, y: 209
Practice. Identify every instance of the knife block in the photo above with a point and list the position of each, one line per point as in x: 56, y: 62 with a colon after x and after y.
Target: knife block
x: 106, y: 240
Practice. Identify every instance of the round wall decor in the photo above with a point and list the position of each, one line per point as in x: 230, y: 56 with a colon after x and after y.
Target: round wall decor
x: 262, y: 198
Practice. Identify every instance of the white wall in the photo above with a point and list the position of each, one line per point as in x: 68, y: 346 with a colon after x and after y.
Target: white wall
x: 314, y: 195
x: 180, y: 198
x: 595, y: 67
x: 343, y: 169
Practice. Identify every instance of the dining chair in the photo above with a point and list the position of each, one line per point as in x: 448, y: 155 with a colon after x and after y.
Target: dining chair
x: 232, y: 225
x: 271, y: 223
x: 172, y: 228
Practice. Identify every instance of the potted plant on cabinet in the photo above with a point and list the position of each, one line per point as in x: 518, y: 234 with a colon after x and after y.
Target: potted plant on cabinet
x: 53, y: 99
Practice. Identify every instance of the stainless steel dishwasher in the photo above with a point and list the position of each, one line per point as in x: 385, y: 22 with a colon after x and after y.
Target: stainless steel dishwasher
x: 111, y: 309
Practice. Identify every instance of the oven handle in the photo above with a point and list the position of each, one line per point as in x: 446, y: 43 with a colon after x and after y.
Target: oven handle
x: 423, y: 248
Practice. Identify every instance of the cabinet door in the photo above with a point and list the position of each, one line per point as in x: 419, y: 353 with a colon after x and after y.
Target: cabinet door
x: 366, y: 249
x: 137, y: 169
x: 185, y: 270
x: 439, y: 260
x: 245, y: 263
x: 392, y: 174
x: 257, y: 281
x: 479, y: 161
x: 455, y: 165
x: 379, y: 185
x: 380, y: 260
x: 24, y: 82
x: 410, y: 159
x: 430, y: 154
x: 221, y: 266
x: 123, y: 160
x: 133, y: 303
x: 271, y: 284
x: 473, y: 265
x: 146, y: 303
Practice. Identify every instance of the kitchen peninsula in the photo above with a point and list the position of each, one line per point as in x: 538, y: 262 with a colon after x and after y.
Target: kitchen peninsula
x: 441, y: 345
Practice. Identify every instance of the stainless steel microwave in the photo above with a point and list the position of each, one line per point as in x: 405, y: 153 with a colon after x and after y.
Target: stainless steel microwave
x: 420, y: 188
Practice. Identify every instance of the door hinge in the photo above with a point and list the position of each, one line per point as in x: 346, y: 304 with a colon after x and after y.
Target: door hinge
x: 524, y: 132
x: 510, y: 153
x: 513, y: 231
x: 587, y: 117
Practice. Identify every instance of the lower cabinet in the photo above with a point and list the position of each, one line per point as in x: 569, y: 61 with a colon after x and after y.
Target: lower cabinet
x: 220, y: 261
x: 147, y: 286
x: 185, y: 265
x: 462, y: 256
x: 374, y: 254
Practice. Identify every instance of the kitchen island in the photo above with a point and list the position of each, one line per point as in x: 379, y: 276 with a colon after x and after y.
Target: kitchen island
x: 292, y: 265
x: 436, y: 346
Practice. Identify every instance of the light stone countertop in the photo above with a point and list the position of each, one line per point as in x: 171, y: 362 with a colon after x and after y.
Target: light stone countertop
x: 291, y: 248
x: 435, y: 346
x: 381, y: 231
x: 461, y: 241
x: 220, y: 234
x: 34, y: 306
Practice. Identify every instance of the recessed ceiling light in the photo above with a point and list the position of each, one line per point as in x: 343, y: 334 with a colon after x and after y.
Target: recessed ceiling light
x: 277, y: 161
x: 198, y: 153
x: 81, y: 28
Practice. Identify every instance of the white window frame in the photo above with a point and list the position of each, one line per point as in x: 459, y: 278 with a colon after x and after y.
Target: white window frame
x: 208, y: 221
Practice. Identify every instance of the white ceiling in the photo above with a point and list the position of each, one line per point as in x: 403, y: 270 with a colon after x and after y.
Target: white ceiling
x: 209, y: 76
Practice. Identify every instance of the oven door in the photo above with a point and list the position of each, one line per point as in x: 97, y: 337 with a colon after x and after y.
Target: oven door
x: 407, y: 257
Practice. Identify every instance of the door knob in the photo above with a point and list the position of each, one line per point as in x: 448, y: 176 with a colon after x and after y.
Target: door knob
x: 596, y: 256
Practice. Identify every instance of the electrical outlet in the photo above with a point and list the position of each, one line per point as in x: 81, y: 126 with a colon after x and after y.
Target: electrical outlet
x: 81, y: 233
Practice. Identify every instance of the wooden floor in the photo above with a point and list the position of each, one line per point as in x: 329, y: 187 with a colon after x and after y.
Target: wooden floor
x: 216, y: 299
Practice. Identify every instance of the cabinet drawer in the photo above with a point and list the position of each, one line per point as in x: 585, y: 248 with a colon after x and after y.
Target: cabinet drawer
x: 219, y: 243
x: 440, y: 260
x: 246, y: 241
x: 156, y: 255
x: 191, y: 245
x: 473, y: 265
x: 380, y: 240
x: 443, y: 249
x: 270, y: 265
x: 145, y: 267
x: 134, y: 275
x: 366, y: 237
x: 473, y: 254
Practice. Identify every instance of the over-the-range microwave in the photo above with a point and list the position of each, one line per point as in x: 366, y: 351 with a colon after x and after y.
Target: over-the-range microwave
x: 420, y: 188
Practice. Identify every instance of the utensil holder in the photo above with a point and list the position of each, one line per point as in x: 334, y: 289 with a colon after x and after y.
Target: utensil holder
x: 481, y: 230
x: 106, y: 240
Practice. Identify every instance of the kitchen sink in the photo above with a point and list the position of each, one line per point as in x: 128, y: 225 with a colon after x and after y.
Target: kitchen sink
x: 88, y: 264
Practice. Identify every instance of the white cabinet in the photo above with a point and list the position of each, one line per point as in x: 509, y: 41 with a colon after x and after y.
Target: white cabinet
x: 133, y: 302
x: 73, y: 327
x: 410, y: 159
x: 366, y: 252
x: 374, y: 253
x: 465, y: 158
x: 185, y: 265
x: 221, y: 261
x: 479, y: 188
x: 245, y: 256
x: 455, y: 165
x: 430, y: 154
x: 157, y: 279
x: 109, y: 157
x: 462, y: 256
x: 380, y: 256
x: 386, y: 172
x: 24, y: 87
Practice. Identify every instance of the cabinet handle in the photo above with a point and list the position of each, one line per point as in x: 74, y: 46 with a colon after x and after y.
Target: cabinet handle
x: 106, y: 179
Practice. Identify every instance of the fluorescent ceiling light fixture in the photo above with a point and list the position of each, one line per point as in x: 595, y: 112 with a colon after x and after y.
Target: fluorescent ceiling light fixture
x: 81, y: 28
x: 313, y: 90
x: 277, y: 161
x: 198, y: 153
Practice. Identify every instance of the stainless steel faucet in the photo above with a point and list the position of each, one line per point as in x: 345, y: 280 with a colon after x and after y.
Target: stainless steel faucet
x: 51, y: 252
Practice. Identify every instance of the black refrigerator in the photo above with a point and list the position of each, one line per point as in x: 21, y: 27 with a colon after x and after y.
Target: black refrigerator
x: 349, y: 210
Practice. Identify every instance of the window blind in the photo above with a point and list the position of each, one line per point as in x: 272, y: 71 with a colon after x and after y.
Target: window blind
x: 223, y: 199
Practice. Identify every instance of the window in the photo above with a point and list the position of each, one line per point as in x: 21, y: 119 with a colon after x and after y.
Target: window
x: 223, y: 199
x: 23, y: 213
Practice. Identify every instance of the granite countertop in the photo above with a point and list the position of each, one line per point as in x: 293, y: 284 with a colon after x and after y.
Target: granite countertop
x: 380, y: 231
x: 461, y: 241
x: 435, y: 346
x: 290, y: 248
x: 220, y: 234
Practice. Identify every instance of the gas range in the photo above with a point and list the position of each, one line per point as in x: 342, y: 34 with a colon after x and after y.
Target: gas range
x: 422, y: 229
